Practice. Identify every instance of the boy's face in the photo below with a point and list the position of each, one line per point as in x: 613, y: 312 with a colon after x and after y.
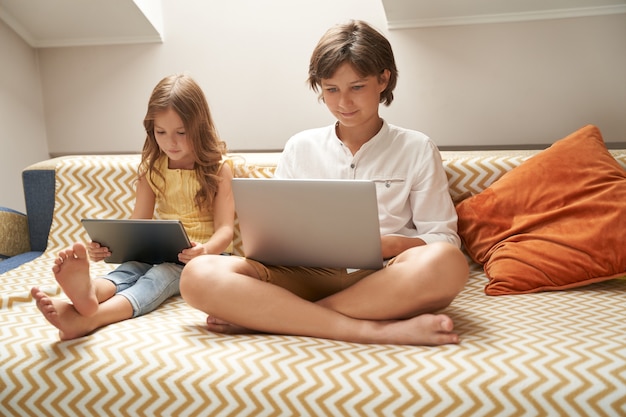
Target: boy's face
x: 351, y: 98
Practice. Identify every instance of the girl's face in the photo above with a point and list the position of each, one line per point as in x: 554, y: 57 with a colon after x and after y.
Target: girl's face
x: 171, y: 137
x: 351, y: 98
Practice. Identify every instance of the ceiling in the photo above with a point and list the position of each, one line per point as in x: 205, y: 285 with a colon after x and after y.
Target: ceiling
x: 57, y: 23
x: 424, y: 13
x: 51, y: 23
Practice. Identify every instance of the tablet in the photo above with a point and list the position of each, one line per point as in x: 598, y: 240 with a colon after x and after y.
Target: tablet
x: 148, y: 241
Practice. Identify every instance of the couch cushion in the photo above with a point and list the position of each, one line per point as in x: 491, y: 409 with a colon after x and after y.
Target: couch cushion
x: 18, y: 260
x: 13, y: 233
x: 556, y: 221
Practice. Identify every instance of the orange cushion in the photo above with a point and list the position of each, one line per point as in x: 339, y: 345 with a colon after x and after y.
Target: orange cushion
x: 556, y: 221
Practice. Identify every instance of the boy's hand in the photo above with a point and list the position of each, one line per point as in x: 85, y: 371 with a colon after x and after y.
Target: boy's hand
x: 394, y: 245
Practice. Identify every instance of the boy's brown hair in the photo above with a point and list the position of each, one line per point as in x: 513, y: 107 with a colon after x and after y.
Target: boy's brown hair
x: 359, y: 44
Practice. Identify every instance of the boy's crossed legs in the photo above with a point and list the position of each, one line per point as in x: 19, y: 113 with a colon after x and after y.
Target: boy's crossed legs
x: 390, y: 306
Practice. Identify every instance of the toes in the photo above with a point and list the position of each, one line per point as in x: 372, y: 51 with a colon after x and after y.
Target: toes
x: 37, y: 294
x: 34, y: 291
x: 80, y: 251
x: 64, y: 254
x: 446, y: 323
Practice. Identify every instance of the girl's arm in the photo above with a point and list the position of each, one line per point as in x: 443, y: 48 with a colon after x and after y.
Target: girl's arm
x: 223, y: 213
x: 144, y: 200
x: 144, y: 209
x: 223, y: 220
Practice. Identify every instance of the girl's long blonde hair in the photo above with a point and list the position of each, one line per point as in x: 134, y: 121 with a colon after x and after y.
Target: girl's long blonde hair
x: 182, y: 94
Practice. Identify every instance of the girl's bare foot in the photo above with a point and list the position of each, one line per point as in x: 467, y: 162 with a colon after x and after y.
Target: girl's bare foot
x: 62, y: 315
x: 71, y: 270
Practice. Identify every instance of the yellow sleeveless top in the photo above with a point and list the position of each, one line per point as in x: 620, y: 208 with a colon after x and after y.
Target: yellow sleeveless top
x: 175, y: 200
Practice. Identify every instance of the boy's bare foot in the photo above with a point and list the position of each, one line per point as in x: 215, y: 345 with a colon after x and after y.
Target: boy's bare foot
x: 62, y: 315
x: 220, y: 326
x: 422, y: 330
x: 71, y: 270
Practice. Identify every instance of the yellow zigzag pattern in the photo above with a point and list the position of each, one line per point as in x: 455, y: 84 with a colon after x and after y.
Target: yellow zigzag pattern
x: 477, y: 173
x: 548, y: 363
x: 561, y: 353
x: 92, y: 187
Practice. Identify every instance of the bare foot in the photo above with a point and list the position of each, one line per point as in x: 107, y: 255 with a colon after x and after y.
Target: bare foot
x: 220, y: 326
x: 422, y: 330
x: 62, y: 315
x: 71, y: 270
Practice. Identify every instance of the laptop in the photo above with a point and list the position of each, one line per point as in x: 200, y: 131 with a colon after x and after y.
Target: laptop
x: 309, y: 222
x: 148, y: 241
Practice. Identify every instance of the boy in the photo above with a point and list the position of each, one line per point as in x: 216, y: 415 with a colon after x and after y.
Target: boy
x: 354, y: 69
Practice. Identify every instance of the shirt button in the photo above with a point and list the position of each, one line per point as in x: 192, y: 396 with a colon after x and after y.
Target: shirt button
x: 352, y: 166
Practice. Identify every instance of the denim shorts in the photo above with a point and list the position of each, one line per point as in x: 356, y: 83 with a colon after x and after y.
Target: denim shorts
x: 146, y: 286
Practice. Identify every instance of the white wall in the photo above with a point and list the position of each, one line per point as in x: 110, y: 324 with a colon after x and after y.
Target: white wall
x: 513, y: 83
x: 22, y: 130
x: 250, y: 57
x: 495, y: 84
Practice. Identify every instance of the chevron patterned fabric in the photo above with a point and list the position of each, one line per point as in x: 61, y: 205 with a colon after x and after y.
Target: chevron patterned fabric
x: 554, y: 353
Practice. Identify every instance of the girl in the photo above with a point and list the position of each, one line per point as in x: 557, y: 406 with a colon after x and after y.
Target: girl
x: 183, y: 176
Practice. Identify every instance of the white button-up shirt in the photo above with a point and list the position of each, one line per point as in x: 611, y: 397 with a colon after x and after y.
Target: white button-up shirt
x: 411, y: 183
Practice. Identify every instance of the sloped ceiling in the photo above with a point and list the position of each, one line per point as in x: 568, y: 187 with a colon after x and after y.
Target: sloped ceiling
x: 52, y: 23
x: 424, y: 13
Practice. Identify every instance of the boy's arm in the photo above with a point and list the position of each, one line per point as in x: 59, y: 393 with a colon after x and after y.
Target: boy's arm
x: 394, y: 245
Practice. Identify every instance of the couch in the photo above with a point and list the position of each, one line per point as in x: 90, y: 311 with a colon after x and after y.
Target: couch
x: 555, y: 350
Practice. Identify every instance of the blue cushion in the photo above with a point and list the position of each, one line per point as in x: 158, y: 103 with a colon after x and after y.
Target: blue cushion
x: 39, y: 196
x: 17, y: 260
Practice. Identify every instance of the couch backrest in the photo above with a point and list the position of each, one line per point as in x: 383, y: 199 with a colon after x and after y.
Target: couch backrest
x: 103, y: 186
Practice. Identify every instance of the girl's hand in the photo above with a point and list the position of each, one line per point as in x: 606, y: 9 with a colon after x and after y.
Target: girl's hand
x: 188, y: 254
x: 97, y: 252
